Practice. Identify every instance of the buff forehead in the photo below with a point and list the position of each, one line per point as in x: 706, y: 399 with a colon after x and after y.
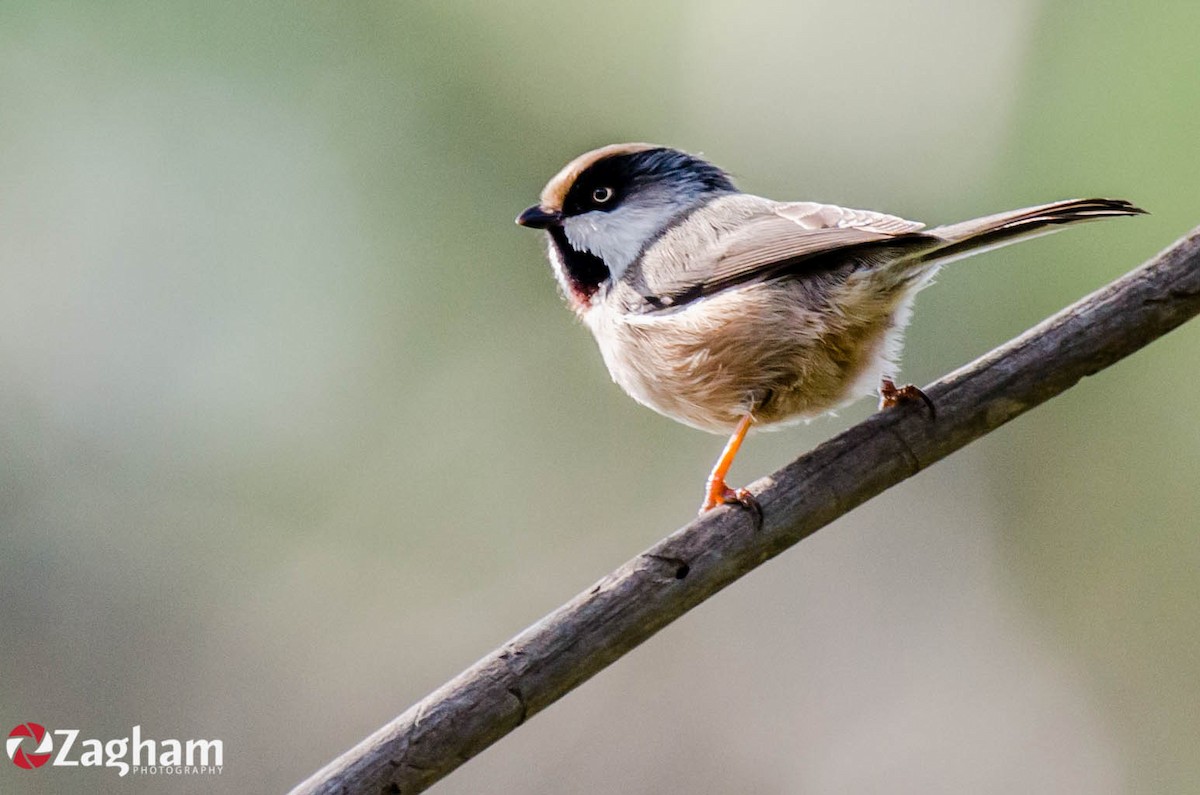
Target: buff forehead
x: 555, y: 192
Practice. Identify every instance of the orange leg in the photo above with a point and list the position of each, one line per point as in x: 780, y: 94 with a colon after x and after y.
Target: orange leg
x: 717, y: 492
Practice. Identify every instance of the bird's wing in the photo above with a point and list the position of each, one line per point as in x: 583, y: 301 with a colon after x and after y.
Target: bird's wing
x: 785, y: 238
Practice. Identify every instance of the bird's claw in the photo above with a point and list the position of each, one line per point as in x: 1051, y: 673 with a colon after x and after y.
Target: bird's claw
x: 891, y: 395
x: 720, y: 494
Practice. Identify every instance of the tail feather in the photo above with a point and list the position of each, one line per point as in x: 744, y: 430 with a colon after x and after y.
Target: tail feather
x: 993, y: 231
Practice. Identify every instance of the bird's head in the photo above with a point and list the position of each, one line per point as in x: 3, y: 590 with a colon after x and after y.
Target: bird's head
x: 605, y: 207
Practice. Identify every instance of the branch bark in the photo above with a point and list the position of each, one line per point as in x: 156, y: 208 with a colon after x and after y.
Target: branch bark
x: 546, y: 661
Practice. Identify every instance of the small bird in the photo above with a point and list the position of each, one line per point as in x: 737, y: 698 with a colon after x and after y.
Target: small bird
x: 724, y: 310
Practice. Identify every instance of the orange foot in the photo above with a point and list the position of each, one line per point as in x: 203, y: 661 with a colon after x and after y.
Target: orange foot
x: 720, y: 494
x: 717, y: 492
x: 891, y: 395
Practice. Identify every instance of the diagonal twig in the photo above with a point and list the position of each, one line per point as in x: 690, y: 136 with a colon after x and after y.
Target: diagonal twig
x: 546, y: 661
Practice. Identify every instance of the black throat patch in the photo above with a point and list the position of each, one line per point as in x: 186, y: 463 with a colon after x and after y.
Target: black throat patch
x: 585, y: 271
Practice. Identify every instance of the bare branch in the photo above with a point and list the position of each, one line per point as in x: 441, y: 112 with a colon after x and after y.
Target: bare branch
x: 543, y: 663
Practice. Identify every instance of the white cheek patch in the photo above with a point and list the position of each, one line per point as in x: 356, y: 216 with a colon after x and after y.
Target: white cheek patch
x: 616, y: 237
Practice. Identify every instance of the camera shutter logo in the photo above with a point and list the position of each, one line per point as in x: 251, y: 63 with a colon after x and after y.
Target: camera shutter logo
x: 39, y: 756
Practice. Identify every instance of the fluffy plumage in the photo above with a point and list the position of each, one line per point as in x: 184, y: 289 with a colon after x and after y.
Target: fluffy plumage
x: 709, y: 304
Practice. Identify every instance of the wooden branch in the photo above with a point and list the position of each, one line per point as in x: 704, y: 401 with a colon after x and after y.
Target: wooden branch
x: 543, y: 663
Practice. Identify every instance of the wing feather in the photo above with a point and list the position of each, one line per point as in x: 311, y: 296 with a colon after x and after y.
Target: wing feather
x: 783, y: 238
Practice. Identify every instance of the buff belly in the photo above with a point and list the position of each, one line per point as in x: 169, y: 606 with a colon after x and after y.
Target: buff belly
x: 782, y: 351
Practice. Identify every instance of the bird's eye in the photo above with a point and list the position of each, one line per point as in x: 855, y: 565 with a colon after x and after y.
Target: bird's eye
x: 602, y: 195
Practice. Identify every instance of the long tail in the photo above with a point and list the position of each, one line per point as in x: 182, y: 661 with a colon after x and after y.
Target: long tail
x: 993, y: 231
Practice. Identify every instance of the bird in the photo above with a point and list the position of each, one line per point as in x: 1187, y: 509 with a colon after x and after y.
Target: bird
x: 728, y: 311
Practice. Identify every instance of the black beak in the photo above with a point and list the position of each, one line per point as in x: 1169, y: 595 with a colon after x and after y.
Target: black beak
x: 537, y: 218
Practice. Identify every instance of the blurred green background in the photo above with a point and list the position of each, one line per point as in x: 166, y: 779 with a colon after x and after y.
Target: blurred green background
x: 294, y: 427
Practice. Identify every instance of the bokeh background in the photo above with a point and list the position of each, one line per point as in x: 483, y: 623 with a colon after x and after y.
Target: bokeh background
x: 294, y: 427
